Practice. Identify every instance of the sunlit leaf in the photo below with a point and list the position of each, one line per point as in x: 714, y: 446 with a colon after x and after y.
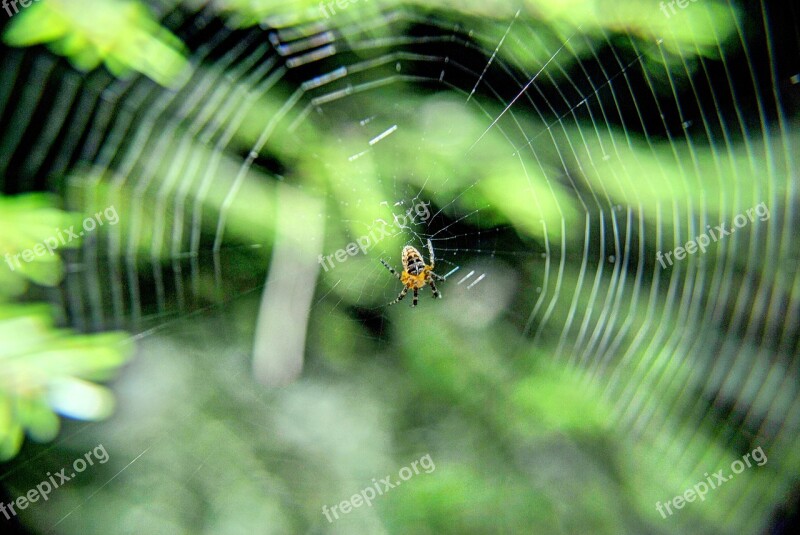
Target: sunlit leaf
x: 31, y: 232
x: 47, y: 371
x: 120, y: 33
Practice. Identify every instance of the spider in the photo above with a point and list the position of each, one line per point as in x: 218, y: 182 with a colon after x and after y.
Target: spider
x: 416, y: 274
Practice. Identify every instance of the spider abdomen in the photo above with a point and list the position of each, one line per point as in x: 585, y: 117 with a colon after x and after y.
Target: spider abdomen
x: 412, y: 261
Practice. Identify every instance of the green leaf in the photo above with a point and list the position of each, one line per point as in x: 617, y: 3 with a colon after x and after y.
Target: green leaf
x: 27, y: 224
x: 120, y: 33
x: 48, y: 371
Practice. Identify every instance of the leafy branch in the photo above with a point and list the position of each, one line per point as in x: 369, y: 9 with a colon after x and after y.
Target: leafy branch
x: 44, y: 371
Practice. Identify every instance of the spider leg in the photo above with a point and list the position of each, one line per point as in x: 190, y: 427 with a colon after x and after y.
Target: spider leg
x: 437, y: 277
x: 416, y: 296
x: 391, y: 269
x: 430, y: 251
x: 400, y: 297
x: 436, y: 293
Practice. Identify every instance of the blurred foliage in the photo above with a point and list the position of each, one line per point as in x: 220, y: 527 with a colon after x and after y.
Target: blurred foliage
x: 122, y: 34
x: 44, y: 370
x: 48, y: 371
x: 519, y: 438
x: 663, y: 40
x: 25, y: 222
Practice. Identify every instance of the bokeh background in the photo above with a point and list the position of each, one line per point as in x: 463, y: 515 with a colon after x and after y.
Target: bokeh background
x: 565, y: 383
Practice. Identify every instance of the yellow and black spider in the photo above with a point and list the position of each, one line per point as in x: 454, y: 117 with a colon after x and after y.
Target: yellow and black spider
x: 416, y: 274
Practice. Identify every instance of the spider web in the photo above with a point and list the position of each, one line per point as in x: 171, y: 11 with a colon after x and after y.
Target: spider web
x: 624, y: 147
